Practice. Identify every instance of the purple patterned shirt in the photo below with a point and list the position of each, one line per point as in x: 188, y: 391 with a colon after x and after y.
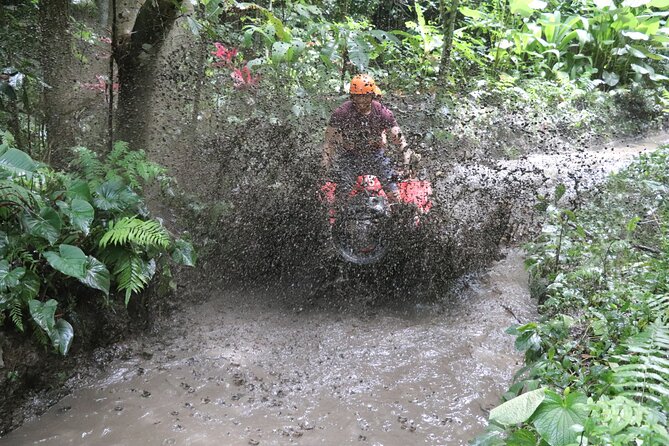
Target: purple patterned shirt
x: 363, y: 134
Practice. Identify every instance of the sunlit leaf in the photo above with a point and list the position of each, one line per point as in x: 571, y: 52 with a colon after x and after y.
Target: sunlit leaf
x: 526, y: 8
x: 519, y: 409
x: 473, y: 13
x: 635, y: 35
x: 16, y: 162
x: 601, y: 4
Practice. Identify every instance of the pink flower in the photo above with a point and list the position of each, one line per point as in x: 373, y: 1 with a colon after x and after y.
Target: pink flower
x: 243, y: 79
x: 224, y: 55
x: 106, y: 40
x: 101, y: 85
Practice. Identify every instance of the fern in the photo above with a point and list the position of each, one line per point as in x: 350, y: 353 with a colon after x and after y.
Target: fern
x: 149, y: 233
x: 16, y: 314
x: 645, y: 373
x: 131, y: 166
x: 88, y: 163
x: 119, y: 151
x: 659, y: 303
x: 132, y: 273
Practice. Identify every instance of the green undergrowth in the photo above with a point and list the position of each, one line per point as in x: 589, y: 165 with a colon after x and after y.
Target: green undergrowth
x: 597, y: 362
x: 82, y: 235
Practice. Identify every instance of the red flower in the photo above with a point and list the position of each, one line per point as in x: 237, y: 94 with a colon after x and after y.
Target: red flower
x: 101, y: 85
x: 224, y: 55
x: 243, y: 79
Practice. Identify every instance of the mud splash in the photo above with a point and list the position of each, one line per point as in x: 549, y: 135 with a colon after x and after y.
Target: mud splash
x: 272, y: 367
x: 250, y: 367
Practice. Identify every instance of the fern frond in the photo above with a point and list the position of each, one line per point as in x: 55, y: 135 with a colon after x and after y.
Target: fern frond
x: 149, y: 233
x: 119, y: 151
x: 645, y: 373
x: 16, y: 314
x: 88, y: 163
x: 133, y: 274
x: 659, y: 303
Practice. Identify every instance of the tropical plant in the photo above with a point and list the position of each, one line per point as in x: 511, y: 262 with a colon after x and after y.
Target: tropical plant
x: 601, y: 275
x: 63, y: 233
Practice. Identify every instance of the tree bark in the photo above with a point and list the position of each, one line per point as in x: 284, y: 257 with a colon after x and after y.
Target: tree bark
x: 57, y: 61
x: 448, y: 20
x: 142, y: 27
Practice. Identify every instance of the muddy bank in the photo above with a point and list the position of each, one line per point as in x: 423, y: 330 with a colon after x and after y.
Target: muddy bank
x: 270, y: 367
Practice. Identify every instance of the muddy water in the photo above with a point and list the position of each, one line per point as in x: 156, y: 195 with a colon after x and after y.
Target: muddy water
x: 273, y: 367
x: 248, y: 367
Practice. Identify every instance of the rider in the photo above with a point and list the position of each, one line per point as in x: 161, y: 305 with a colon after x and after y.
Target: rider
x: 356, y: 138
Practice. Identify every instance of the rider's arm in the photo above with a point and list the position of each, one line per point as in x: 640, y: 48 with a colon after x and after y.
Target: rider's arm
x: 398, y: 139
x: 332, y: 139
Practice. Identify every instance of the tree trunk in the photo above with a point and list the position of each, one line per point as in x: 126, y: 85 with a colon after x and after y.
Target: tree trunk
x: 448, y: 21
x: 139, y: 43
x: 57, y: 61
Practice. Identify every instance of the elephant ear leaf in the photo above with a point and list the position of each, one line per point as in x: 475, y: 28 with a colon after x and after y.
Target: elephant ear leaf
x: 15, y: 162
x: 96, y: 275
x: 70, y: 261
x: 47, y: 224
x: 81, y: 215
x: 60, y: 332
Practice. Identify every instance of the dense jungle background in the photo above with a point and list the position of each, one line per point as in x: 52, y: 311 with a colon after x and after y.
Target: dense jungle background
x: 156, y: 153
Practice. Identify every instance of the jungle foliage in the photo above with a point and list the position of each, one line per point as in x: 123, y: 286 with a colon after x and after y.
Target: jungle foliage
x: 596, y: 362
x: 294, y: 53
x: 84, y: 234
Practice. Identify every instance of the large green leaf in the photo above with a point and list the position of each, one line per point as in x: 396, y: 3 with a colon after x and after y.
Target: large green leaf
x: 526, y: 8
x: 10, y: 278
x: 61, y: 337
x: 184, y: 253
x: 556, y: 418
x: 16, y: 162
x: 519, y: 409
x: 79, y: 189
x: 71, y: 261
x: 81, y: 215
x: 96, y: 275
x: 60, y: 332
x: 114, y: 195
x: 281, y: 51
x: 43, y: 313
x: 46, y: 224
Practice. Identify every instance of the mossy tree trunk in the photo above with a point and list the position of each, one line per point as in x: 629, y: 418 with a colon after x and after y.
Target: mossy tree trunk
x: 142, y: 27
x: 57, y: 61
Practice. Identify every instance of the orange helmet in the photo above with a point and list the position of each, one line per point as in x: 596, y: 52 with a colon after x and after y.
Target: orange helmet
x: 363, y: 84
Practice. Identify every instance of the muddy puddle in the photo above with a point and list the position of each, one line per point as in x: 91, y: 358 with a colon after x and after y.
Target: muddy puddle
x: 274, y: 367
x: 248, y: 367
